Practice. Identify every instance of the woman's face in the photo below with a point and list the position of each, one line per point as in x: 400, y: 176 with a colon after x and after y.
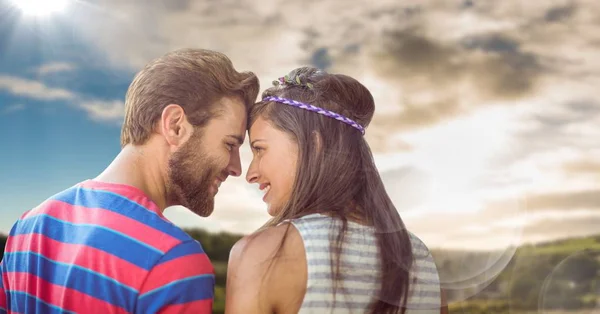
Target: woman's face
x: 273, y: 165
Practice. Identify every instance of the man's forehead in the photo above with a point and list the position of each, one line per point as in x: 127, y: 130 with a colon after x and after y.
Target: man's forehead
x: 231, y: 110
x: 230, y: 119
x: 232, y: 102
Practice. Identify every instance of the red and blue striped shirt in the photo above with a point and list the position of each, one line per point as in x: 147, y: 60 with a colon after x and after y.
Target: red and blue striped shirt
x: 103, y: 248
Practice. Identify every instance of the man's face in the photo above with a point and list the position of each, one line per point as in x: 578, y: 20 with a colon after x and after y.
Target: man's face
x: 207, y: 158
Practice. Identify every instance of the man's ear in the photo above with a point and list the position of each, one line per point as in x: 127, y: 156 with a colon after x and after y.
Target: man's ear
x: 174, y: 125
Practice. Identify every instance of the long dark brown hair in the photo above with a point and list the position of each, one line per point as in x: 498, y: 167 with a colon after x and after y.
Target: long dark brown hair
x: 337, y: 175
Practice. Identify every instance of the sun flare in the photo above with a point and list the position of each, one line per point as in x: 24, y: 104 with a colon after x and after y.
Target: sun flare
x: 456, y: 155
x: 40, y: 7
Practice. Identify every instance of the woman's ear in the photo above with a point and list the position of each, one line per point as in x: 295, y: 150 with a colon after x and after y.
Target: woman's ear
x: 317, y: 141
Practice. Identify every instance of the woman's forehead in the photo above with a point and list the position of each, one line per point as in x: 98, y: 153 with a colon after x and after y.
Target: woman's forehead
x: 265, y: 130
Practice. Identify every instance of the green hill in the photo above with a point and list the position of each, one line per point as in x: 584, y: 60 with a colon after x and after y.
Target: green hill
x: 562, y: 275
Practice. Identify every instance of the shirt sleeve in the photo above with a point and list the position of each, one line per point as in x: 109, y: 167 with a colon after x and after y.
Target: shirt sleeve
x: 3, y: 304
x: 182, y: 281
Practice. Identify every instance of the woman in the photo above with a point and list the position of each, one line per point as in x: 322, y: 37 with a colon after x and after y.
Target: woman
x: 335, y: 244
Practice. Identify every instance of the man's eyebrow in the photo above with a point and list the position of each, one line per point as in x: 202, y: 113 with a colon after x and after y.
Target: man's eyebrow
x: 238, y: 138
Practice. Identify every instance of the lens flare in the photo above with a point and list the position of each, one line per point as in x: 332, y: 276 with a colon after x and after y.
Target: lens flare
x: 40, y: 7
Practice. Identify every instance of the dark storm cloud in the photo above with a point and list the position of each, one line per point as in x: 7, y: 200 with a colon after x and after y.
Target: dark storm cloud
x: 560, y: 13
x: 492, y: 66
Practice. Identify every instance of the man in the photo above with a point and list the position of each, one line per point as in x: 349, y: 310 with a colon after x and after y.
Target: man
x: 103, y: 245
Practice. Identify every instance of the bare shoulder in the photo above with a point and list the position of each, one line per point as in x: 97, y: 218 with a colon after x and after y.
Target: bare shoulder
x: 265, y: 243
x: 268, y: 270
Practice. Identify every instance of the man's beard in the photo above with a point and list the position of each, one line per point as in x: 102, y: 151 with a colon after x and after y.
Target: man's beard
x: 191, y: 172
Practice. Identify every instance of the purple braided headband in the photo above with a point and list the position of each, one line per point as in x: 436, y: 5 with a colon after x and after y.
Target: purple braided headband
x: 318, y: 110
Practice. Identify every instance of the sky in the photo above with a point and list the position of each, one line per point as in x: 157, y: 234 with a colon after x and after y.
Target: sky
x: 487, y: 112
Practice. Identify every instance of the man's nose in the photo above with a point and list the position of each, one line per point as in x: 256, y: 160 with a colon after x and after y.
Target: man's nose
x: 235, y: 166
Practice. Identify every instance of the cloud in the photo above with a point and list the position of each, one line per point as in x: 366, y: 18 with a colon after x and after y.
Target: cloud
x: 33, y: 89
x: 447, y: 211
x: 556, y: 139
x: 560, y: 13
x: 565, y: 200
x: 583, y: 167
x: 510, y: 225
x: 104, y: 110
x: 426, y: 62
x: 100, y: 110
x: 448, y: 61
x: 55, y: 67
x: 441, y: 80
x: 12, y: 108
x: 562, y: 227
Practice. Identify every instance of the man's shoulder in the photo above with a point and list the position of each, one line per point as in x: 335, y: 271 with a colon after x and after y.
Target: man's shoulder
x: 128, y: 205
x: 184, y: 265
x: 187, y: 250
x: 114, y: 214
x: 180, y: 247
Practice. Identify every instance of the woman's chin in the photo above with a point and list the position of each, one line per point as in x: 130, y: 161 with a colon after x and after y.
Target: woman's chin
x: 272, y: 210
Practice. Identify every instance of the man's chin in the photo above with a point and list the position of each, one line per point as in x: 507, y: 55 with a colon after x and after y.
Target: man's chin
x: 203, y: 211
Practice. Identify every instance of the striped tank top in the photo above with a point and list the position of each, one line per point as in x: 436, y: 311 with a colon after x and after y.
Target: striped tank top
x: 359, y: 269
